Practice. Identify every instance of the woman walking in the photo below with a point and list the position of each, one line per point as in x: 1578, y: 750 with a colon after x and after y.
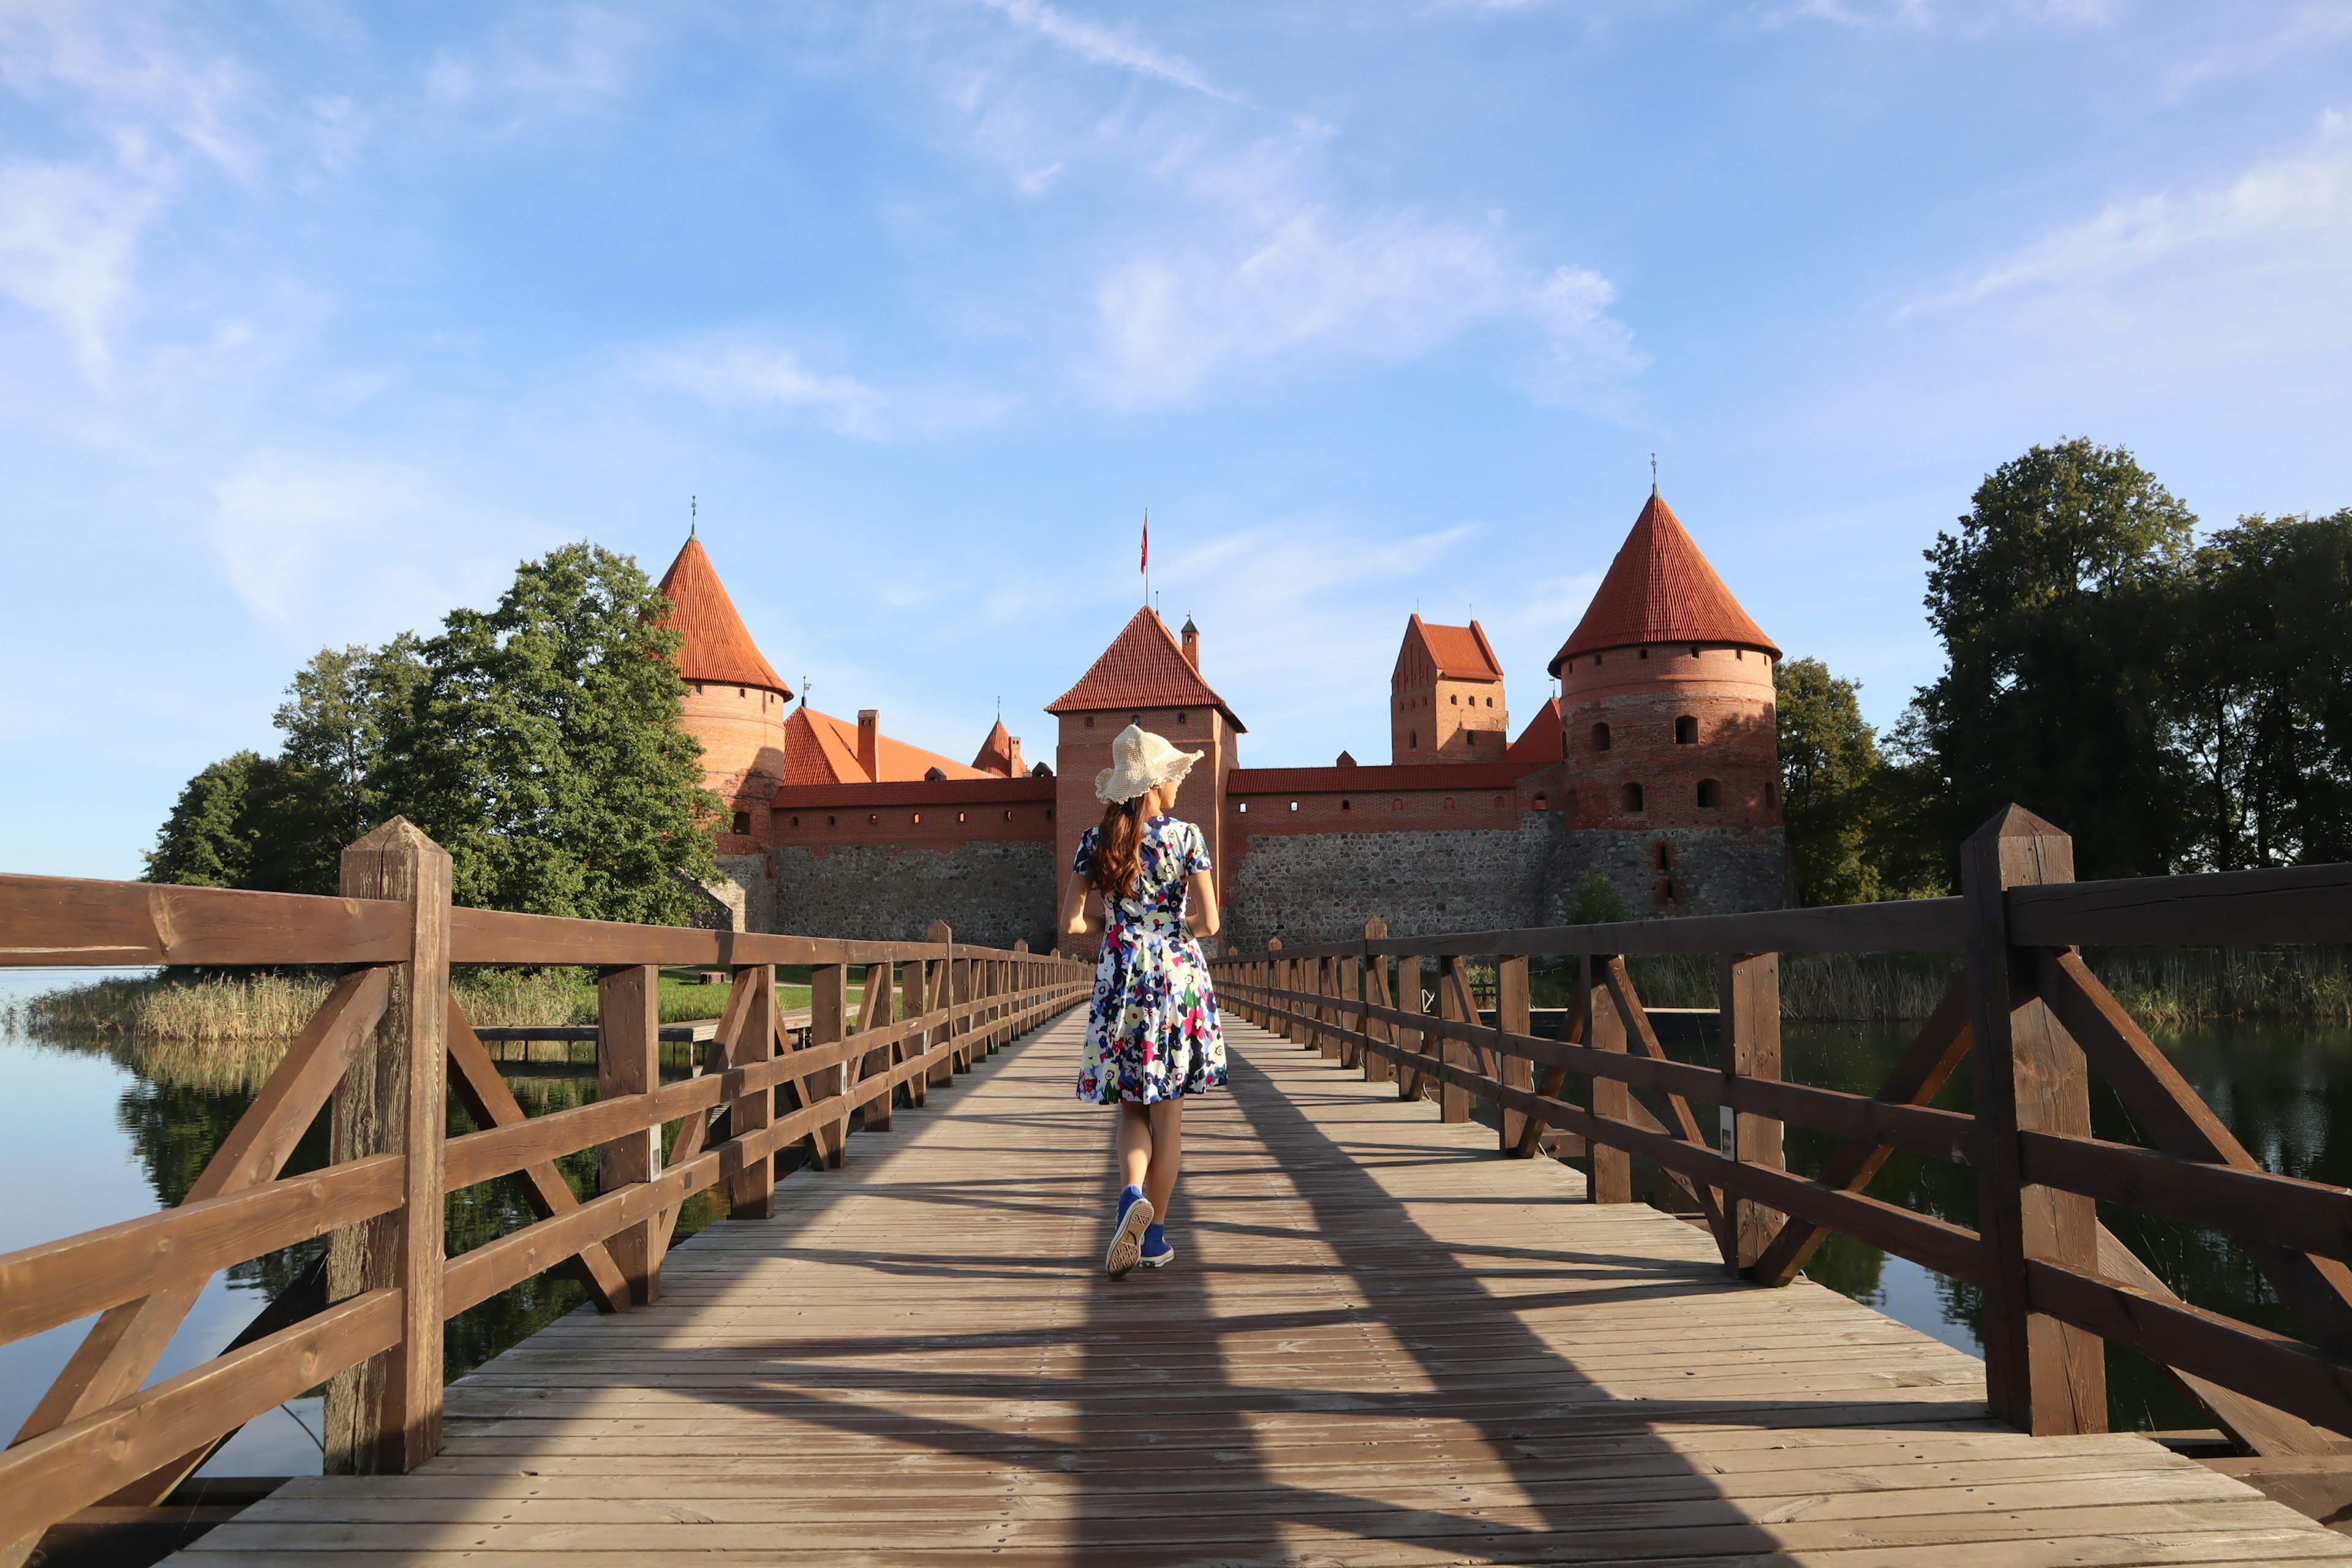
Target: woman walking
x: 1142, y: 877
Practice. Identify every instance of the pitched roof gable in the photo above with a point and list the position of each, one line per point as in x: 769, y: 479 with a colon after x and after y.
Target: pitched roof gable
x: 719, y: 646
x: 1459, y: 653
x: 996, y: 753
x: 1144, y: 667
x: 1539, y: 745
x: 1661, y: 589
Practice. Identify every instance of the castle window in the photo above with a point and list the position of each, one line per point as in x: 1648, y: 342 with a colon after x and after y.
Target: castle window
x: 740, y: 693
x: 1666, y: 857
x: 1412, y: 741
x: 1449, y: 803
x: 698, y: 689
x: 919, y: 819
x: 936, y: 775
x: 742, y: 823
x: 1343, y: 806
x: 1687, y: 731
x: 1090, y: 721
x: 1179, y: 718
x: 960, y: 815
x: 1543, y: 802
x: 1673, y: 897
x: 1596, y: 661
x: 1490, y: 702
x: 1049, y: 814
x: 1135, y: 718
x: 1474, y: 737
x: 1294, y: 806
x: 1455, y: 698
x: 1694, y: 653
x: 1600, y: 737
x: 1641, y: 653
x: 833, y: 822
x: 796, y: 822
x: 1242, y: 808
x: 1631, y: 796
x: 1710, y: 793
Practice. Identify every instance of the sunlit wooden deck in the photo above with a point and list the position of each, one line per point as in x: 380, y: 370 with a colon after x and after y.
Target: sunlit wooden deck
x: 1380, y: 1344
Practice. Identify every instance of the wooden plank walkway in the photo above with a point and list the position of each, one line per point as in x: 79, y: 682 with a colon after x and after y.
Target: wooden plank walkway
x: 1381, y: 1343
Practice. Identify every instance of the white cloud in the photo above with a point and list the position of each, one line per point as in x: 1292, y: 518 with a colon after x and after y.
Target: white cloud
x: 279, y: 518
x: 745, y: 372
x: 1919, y: 14
x: 69, y: 241
x: 1099, y: 44
x: 2177, y: 284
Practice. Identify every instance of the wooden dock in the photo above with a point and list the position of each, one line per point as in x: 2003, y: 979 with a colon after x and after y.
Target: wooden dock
x: 1381, y: 1343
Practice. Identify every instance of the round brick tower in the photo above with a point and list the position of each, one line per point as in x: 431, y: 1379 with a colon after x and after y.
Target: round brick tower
x: 736, y: 703
x: 1671, y: 733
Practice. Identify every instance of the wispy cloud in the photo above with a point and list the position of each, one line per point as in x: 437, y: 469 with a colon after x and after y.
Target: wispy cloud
x: 1099, y: 44
x: 754, y: 373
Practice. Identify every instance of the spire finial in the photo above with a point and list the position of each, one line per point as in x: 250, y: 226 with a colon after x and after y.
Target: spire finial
x: 693, y: 512
x: 1653, y: 476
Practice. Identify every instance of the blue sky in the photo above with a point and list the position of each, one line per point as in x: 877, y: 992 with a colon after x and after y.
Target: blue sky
x: 315, y: 319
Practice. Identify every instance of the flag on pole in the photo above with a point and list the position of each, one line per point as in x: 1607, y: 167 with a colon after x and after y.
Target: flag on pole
x: 1145, y: 566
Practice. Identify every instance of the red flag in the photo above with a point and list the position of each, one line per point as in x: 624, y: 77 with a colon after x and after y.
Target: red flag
x: 1145, y: 565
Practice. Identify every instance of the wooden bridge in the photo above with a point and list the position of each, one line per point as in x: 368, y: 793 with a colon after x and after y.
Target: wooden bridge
x: 1384, y: 1340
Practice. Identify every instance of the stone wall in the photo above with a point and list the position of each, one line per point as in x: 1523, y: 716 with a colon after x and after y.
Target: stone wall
x: 1707, y: 870
x: 1322, y: 887
x: 749, y: 872
x: 993, y: 894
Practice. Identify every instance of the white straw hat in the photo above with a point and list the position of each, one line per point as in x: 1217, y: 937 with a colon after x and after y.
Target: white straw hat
x: 1139, y: 760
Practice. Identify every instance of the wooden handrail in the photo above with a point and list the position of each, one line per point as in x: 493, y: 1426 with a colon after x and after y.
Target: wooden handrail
x: 1336, y: 996
x: 99, y: 1436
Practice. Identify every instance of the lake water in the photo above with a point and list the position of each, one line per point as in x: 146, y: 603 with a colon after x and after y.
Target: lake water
x: 90, y: 1136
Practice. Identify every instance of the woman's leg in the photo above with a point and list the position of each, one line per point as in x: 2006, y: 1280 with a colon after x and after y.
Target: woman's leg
x: 1165, y: 1128
x: 1134, y: 1141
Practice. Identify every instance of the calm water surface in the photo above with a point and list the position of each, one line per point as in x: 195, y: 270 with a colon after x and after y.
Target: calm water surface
x: 91, y: 1135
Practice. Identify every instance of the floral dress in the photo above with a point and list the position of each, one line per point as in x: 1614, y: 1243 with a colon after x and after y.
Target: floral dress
x: 1152, y: 1032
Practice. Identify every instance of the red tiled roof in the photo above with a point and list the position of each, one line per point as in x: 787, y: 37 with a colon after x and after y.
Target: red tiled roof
x: 1539, y: 745
x: 1660, y: 589
x: 996, y: 753
x: 820, y: 749
x: 1144, y: 667
x: 718, y: 647
x: 1460, y: 653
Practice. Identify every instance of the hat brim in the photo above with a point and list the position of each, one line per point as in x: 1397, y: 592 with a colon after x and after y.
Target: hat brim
x: 1115, y: 785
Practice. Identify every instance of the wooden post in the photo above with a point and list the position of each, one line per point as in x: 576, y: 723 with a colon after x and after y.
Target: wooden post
x: 1351, y: 989
x: 828, y: 1022
x: 1609, y: 1174
x: 628, y: 1062
x: 914, y: 998
x: 1410, y: 1082
x: 751, y: 1195
x: 1453, y: 999
x: 384, y: 1417
x: 1321, y: 1039
x: 1514, y: 1014
x: 940, y: 982
x: 873, y: 1014
x: 2041, y: 1374
x: 1750, y: 1001
x: 1377, y: 1069
x: 960, y: 993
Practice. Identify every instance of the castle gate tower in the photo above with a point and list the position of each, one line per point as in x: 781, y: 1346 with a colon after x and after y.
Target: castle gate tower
x: 1445, y: 697
x: 1145, y: 676
x: 1670, y: 728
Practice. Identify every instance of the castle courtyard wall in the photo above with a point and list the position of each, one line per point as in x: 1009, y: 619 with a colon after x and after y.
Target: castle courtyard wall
x: 1322, y: 887
x: 992, y: 893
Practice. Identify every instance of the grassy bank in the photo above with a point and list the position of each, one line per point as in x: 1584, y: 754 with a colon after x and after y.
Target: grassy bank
x: 212, y: 1010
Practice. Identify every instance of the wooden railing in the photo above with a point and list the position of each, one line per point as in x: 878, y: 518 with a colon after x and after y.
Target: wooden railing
x: 2036, y: 1021
x: 384, y: 1052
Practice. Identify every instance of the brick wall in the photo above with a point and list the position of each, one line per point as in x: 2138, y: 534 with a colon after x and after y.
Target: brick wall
x: 993, y: 893
x: 1322, y: 887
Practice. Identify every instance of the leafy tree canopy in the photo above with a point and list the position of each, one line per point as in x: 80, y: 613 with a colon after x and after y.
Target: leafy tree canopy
x: 537, y: 742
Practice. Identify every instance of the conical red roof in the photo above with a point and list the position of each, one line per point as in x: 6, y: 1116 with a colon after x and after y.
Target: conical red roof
x: 719, y: 647
x: 996, y: 752
x: 1660, y: 589
x: 1144, y: 667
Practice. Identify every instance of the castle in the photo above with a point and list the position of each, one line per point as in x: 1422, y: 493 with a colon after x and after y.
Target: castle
x: 1655, y: 767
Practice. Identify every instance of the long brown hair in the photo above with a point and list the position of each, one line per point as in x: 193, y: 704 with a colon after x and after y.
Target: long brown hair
x: 1116, y: 870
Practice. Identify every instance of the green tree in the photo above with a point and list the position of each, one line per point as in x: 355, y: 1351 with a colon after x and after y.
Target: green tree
x: 2054, y: 602
x: 207, y: 841
x: 1830, y: 768
x: 1592, y: 901
x: 538, y: 742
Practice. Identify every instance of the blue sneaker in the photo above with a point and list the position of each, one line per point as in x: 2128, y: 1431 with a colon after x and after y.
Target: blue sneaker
x: 1126, y: 1233
x: 1157, y: 1253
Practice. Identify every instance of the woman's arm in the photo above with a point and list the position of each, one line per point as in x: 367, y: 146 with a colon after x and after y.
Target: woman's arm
x: 1200, y: 905
x: 1080, y: 915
